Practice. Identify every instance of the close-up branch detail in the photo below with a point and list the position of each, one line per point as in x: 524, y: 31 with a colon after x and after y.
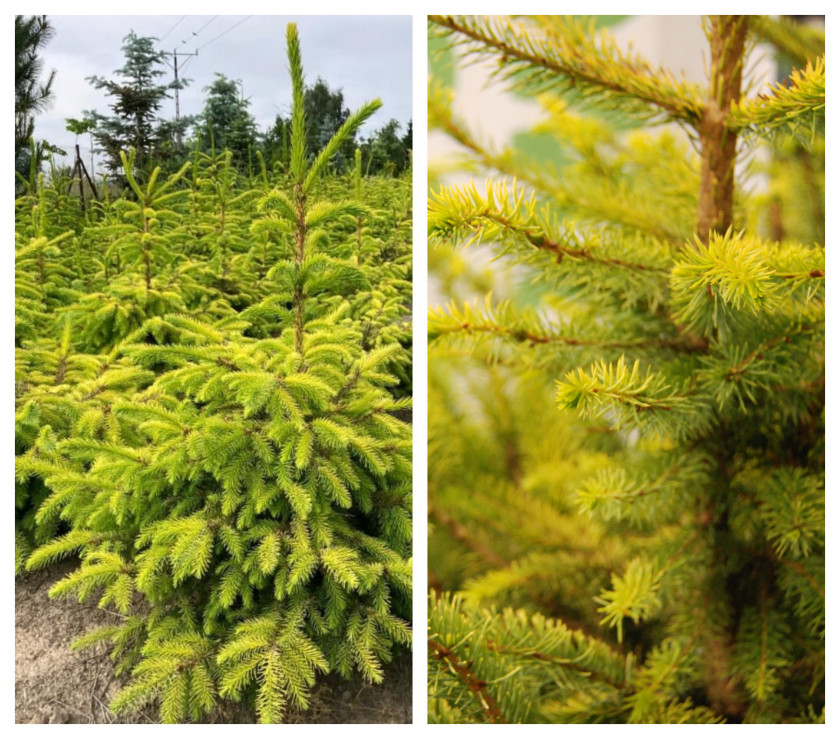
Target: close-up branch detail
x: 627, y: 377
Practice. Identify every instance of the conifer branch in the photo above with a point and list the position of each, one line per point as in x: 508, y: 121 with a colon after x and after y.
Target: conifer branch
x: 462, y: 534
x: 298, y: 138
x: 757, y: 354
x: 599, y: 201
x: 573, y: 58
x: 348, y: 128
x: 501, y: 321
x: 642, y: 400
x: 730, y: 282
x: 798, y: 568
x: 801, y: 42
x: 797, y: 107
x: 473, y: 683
x: 463, y: 214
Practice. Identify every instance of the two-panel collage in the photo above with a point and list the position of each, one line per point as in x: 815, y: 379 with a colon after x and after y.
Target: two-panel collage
x: 339, y: 401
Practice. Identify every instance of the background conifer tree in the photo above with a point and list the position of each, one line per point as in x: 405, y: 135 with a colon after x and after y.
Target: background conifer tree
x: 137, y: 98
x: 32, y: 94
x: 325, y: 114
x: 226, y: 122
x: 626, y: 437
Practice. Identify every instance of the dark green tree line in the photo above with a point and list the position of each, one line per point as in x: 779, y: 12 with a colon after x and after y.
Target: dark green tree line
x: 33, y: 94
x: 138, y: 92
x: 383, y: 152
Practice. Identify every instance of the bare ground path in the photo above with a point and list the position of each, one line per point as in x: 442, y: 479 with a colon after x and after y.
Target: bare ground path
x: 57, y: 686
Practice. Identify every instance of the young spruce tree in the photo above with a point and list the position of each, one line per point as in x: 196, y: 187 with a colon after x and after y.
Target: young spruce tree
x: 626, y: 449
x: 225, y: 459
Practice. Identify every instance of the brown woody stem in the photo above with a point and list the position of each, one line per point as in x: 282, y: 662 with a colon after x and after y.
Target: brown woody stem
x: 727, y: 35
x: 464, y: 672
x: 300, y: 246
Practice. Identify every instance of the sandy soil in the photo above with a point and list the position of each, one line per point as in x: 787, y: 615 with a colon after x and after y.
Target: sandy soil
x: 54, y: 685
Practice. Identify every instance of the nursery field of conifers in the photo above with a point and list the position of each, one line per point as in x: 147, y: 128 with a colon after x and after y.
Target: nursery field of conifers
x: 627, y: 405
x: 213, y: 392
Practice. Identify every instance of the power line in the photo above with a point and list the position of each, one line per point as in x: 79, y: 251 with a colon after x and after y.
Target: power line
x: 205, y: 25
x: 195, y: 33
x: 191, y: 57
x: 172, y: 29
x: 174, y: 52
x: 224, y: 32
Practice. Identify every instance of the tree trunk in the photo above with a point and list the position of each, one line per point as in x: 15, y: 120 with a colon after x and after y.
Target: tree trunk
x: 727, y: 35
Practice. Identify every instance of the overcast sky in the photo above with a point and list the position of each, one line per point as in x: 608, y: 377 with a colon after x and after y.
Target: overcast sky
x: 364, y: 56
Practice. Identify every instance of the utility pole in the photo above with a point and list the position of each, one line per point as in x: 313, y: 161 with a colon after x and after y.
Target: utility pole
x: 175, y: 54
x: 177, y: 103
